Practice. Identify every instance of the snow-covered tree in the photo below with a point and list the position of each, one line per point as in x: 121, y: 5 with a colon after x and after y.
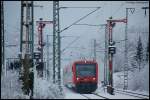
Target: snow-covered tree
x: 131, y: 56
x: 147, y: 51
x: 139, y: 53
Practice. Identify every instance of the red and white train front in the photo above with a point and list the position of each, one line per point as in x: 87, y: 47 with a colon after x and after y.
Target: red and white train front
x: 82, y: 75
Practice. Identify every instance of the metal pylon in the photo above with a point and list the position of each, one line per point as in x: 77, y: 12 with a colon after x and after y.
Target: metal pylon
x: 106, y: 58
x: 26, y: 37
x: 2, y: 36
x: 56, y: 45
x: 48, y: 68
x: 26, y: 46
x: 125, y: 54
x: 95, y: 49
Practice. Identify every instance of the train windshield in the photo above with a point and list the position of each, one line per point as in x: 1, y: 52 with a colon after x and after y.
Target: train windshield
x: 85, y: 70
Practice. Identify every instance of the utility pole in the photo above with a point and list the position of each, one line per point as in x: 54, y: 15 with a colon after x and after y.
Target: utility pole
x: 56, y: 45
x: 26, y: 46
x: 48, y: 70
x: 111, y: 51
x: 126, y: 50
x: 48, y: 67
x: 106, y: 57
x: 145, y: 8
x: 2, y: 38
x: 95, y: 49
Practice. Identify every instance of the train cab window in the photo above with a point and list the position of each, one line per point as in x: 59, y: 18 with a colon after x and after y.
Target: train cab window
x: 85, y: 70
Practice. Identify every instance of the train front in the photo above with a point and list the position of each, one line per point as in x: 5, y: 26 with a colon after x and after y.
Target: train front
x: 85, y: 76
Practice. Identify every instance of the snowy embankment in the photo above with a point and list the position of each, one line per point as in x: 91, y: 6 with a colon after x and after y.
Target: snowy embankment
x: 11, y: 88
x: 137, y: 80
x: 46, y: 90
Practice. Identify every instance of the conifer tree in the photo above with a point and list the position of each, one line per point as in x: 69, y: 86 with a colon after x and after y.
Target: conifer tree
x: 139, y: 53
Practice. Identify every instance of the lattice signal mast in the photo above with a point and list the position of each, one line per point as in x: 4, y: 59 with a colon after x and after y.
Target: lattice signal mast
x: 41, y: 25
x: 111, y: 50
x: 26, y: 45
x: 56, y: 45
x: 2, y: 36
x: 26, y: 37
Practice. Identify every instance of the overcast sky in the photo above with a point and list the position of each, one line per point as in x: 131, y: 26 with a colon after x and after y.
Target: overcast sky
x: 86, y: 34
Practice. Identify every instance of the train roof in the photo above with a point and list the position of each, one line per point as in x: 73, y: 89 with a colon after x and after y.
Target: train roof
x: 85, y: 61
x: 79, y: 62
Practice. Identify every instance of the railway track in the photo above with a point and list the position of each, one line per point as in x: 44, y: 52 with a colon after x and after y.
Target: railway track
x: 133, y: 92
x: 100, y: 96
x: 138, y: 95
x: 88, y: 96
x: 94, y: 96
x: 125, y: 94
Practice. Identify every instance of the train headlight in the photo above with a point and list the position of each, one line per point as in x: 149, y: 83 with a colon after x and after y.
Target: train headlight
x: 77, y: 78
x: 94, y: 78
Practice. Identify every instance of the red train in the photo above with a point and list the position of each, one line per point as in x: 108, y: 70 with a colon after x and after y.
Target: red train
x: 81, y: 75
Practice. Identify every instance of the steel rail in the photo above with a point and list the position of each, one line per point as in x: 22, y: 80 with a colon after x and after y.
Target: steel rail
x: 100, y: 95
x: 122, y: 92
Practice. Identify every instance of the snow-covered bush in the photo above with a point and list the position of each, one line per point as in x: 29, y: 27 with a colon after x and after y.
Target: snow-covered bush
x: 11, y: 88
x: 46, y: 90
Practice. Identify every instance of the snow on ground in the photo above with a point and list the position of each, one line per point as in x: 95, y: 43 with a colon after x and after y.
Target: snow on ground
x: 70, y: 94
x: 103, y: 92
x: 137, y: 81
x: 74, y: 96
x: 11, y: 87
x: 116, y: 95
x: 46, y: 90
